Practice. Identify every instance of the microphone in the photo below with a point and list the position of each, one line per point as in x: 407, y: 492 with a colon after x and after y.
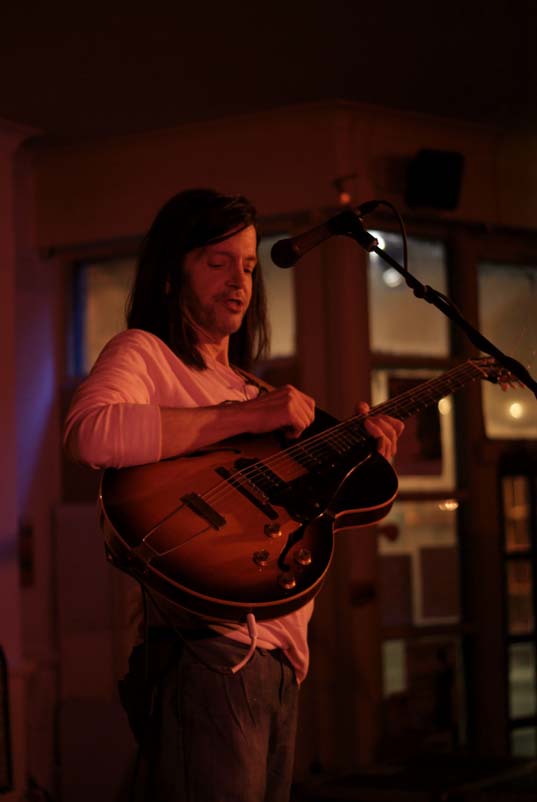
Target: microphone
x: 286, y: 252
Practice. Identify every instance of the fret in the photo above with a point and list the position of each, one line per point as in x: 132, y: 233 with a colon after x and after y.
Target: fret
x: 346, y: 437
x: 343, y: 442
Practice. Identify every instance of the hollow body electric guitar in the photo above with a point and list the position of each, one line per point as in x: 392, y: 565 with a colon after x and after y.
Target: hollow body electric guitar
x: 246, y: 525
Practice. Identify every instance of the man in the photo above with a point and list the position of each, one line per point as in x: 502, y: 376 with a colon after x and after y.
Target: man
x: 163, y: 388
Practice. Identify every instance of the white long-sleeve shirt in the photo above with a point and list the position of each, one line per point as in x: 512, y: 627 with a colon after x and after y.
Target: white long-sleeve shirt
x: 114, y: 421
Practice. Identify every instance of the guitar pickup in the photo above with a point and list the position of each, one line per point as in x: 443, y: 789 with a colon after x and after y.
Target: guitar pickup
x: 204, y: 510
x: 239, y: 483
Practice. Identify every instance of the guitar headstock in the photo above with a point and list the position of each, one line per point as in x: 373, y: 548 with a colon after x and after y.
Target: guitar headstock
x: 492, y: 371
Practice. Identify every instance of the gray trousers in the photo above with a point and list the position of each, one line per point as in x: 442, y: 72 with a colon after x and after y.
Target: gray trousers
x: 219, y: 737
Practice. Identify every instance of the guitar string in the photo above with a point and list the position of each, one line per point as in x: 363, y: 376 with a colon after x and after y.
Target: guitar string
x: 347, y: 433
x: 228, y: 485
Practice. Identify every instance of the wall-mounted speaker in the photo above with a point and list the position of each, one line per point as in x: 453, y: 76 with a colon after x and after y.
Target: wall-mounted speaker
x: 434, y: 179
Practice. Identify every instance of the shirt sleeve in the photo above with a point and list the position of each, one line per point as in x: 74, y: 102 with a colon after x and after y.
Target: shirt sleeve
x: 114, y: 417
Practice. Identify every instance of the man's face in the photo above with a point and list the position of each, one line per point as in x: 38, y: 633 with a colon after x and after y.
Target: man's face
x: 220, y: 283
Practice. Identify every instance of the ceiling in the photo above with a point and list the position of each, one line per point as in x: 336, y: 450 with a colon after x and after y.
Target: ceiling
x: 74, y: 73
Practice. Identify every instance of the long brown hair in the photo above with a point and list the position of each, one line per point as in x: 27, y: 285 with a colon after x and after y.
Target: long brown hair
x: 157, y: 303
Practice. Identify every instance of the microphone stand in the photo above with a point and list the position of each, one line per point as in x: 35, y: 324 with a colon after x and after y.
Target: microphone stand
x: 444, y: 304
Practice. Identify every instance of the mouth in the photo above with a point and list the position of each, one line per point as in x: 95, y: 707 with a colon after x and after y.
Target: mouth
x: 233, y: 304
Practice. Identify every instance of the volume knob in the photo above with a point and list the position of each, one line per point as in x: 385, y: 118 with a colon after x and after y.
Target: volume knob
x: 273, y: 530
x: 303, y: 557
x: 287, y: 581
x: 261, y: 558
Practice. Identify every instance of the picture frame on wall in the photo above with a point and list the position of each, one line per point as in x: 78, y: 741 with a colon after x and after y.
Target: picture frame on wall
x: 425, y: 459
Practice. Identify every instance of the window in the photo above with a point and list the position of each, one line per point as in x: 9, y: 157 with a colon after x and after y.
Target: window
x: 425, y: 457
x: 400, y: 323
x: 418, y: 546
x: 419, y: 564
x: 101, y: 292
x: 280, y: 301
x: 507, y: 304
x: 421, y: 695
x: 520, y: 543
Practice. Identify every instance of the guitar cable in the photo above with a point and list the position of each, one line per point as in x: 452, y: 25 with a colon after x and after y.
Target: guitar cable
x: 252, y: 631
x: 250, y: 623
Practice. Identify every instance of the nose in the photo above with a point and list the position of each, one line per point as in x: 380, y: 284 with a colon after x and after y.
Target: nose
x: 236, y: 275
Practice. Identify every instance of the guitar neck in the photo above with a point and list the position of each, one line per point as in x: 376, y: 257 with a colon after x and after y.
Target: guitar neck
x: 345, y: 437
x: 430, y: 392
x: 346, y: 440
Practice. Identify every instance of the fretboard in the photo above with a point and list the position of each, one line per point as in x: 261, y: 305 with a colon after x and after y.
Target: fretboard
x: 341, y: 440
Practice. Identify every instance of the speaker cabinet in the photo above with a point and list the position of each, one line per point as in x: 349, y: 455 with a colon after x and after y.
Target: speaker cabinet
x: 434, y: 179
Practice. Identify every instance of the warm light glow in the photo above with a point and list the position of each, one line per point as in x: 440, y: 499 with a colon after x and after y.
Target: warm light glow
x: 444, y: 406
x: 449, y: 505
x: 392, y: 278
x: 380, y: 239
x: 516, y: 410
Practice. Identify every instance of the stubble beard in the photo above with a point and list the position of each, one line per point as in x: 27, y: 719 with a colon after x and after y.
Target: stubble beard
x: 205, y: 318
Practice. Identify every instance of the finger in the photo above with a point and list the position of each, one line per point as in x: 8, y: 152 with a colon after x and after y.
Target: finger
x: 305, y: 415
x: 383, y: 444
x: 300, y: 411
x: 362, y: 407
x: 397, y: 425
x: 386, y: 430
x: 305, y: 409
x: 297, y: 426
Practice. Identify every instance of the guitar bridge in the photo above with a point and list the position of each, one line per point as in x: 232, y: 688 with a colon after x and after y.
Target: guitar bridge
x: 204, y: 510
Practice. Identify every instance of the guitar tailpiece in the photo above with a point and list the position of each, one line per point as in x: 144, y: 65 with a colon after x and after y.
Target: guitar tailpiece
x: 252, y: 631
